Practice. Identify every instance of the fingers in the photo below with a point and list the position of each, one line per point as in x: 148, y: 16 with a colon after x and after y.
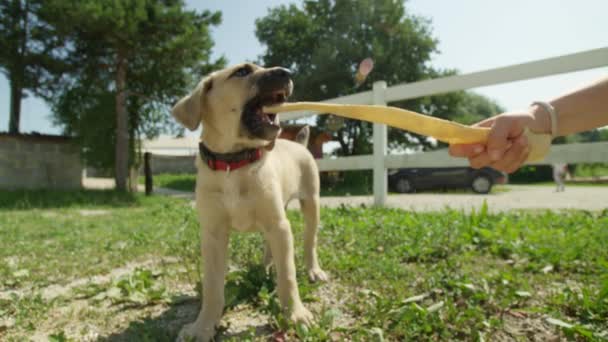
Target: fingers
x: 506, y: 148
x: 502, y: 132
x: 466, y: 151
x: 484, y: 159
x: 514, y: 156
x: 522, y: 159
x: 481, y: 160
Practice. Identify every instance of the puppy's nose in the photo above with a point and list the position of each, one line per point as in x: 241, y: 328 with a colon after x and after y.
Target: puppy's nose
x: 282, y: 72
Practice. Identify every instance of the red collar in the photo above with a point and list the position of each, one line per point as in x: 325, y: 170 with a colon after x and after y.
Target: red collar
x: 228, y: 161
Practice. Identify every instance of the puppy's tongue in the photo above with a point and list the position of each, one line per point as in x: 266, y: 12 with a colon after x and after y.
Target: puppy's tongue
x: 267, y: 117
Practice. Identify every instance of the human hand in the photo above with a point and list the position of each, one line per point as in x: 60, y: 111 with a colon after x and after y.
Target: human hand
x: 507, y: 147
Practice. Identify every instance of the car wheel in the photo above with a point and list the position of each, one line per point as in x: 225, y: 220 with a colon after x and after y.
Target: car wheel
x: 404, y: 185
x: 481, y: 184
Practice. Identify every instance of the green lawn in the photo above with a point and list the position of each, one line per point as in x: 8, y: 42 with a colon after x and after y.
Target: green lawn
x: 401, y: 275
x: 181, y: 182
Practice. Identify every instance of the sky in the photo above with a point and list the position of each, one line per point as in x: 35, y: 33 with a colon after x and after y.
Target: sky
x: 473, y: 35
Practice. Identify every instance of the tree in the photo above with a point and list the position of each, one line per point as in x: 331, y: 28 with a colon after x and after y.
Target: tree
x: 323, y: 42
x: 30, y: 51
x: 144, y: 53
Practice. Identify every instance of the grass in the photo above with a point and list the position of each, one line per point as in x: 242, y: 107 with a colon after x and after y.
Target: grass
x: 47, y: 199
x: 403, y: 275
x: 181, y: 182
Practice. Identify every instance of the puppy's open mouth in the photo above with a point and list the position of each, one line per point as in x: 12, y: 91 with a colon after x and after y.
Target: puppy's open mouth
x: 272, y: 99
x: 260, y: 124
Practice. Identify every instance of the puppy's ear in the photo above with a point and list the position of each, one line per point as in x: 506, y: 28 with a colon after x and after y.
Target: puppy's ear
x: 303, y: 136
x: 189, y: 110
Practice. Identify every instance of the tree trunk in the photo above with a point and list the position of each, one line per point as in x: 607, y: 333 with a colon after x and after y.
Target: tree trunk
x: 343, y: 143
x: 15, y: 115
x: 17, y: 72
x: 121, y: 173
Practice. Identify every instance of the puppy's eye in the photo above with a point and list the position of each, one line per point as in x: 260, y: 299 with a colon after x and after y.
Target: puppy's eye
x: 242, y: 71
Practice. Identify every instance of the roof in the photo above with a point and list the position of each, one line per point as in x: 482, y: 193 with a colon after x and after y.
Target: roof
x: 171, y: 145
x: 37, y: 137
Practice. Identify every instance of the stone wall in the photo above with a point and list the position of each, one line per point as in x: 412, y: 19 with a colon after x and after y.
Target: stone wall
x: 39, y: 161
x: 171, y: 164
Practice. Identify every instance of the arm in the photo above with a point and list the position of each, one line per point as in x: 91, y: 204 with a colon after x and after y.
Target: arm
x: 579, y: 110
x: 507, y: 149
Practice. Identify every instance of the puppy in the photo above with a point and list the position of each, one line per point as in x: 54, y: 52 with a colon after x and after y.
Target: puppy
x: 245, y: 178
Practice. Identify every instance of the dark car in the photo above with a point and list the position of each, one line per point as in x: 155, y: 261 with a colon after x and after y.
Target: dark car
x: 412, y: 179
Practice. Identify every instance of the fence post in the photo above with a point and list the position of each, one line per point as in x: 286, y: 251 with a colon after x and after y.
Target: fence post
x: 148, y: 173
x: 380, y: 142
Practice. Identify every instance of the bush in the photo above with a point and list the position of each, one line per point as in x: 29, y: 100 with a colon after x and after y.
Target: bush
x: 532, y: 174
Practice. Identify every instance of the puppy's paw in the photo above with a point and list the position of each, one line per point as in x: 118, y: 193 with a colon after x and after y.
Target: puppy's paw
x: 194, y: 333
x: 317, y: 274
x: 301, y: 315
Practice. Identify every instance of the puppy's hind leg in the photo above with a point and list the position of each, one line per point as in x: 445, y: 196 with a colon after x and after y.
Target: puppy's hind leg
x: 310, y: 210
x: 267, y: 256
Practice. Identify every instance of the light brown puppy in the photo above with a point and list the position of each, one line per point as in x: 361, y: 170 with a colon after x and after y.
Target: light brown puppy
x: 246, y: 177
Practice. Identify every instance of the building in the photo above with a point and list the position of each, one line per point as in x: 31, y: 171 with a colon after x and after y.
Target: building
x: 38, y: 161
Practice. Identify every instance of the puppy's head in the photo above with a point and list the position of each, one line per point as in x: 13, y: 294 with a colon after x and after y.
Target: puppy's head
x: 230, y: 101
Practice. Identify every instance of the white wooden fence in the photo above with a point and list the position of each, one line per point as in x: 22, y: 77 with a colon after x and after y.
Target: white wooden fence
x: 379, y: 161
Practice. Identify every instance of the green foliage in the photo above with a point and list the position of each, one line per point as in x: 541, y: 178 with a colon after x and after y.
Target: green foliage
x: 140, y: 288
x: 58, y: 337
x: 473, y: 108
x: 595, y: 135
x: 165, y: 49
x: 244, y: 285
x: 591, y: 170
x: 31, y: 53
x: 532, y: 174
x: 323, y: 42
x: 347, y: 183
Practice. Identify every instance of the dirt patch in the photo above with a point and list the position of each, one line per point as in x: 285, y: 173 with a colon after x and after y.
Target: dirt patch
x: 333, y: 295
x: 520, y: 326
x: 245, y: 319
x: 88, y: 320
x: 242, y: 319
x: 93, y: 212
x: 54, y: 291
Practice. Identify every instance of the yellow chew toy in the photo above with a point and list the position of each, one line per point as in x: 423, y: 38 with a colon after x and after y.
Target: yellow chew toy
x: 443, y: 130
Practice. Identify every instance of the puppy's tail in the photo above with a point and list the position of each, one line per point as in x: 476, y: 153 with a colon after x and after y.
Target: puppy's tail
x: 303, y: 136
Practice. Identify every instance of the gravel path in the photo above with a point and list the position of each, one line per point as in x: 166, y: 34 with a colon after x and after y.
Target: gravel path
x: 517, y: 197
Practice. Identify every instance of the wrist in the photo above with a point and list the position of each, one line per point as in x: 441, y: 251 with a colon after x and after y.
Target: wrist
x: 541, y: 120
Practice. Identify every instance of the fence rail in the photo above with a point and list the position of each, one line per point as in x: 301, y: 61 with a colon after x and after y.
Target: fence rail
x: 381, y: 95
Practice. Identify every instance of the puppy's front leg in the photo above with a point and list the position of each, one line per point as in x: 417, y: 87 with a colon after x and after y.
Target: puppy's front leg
x: 280, y: 240
x: 214, y: 246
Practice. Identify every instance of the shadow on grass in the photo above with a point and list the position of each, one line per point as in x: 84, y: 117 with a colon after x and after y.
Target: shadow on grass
x: 47, y: 199
x: 181, y: 184
x: 164, y: 327
x: 167, y: 325
x: 242, y: 287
